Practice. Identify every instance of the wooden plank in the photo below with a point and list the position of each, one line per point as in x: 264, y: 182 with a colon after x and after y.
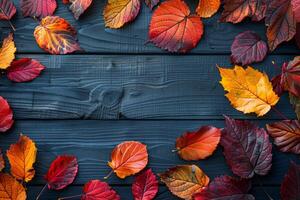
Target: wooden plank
x: 95, y: 38
x: 130, y: 87
x: 92, y: 142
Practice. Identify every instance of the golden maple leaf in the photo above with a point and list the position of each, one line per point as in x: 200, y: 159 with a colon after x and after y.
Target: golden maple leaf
x: 248, y: 90
x: 7, y: 52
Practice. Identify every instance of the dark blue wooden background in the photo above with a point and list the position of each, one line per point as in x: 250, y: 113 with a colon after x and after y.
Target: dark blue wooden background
x: 121, y: 89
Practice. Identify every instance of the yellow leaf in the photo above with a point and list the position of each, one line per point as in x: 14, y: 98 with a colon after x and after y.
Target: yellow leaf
x: 10, y: 188
x: 7, y: 52
x: 22, y: 156
x: 248, y: 90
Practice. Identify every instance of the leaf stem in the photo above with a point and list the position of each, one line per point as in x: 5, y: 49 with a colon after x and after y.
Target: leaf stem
x: 41, y: 192
x: 11, y: 25
x: 280, y: 113
x: 262, y: 187
x: 70, y: 197
x: 175, y: 150
x: 110, y: 173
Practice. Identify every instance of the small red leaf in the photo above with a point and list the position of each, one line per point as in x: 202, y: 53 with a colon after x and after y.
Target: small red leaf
x: 6, y: 115
x: 98, y: 190
x: 296, y: 9
x: 145, y: 186
x: 7, y: 9
x: 248, y: 48
x: 290, y: 187
x: 151, y: 3
x: 38, y: 8
x: 62, y: 172
x: 23, y: 70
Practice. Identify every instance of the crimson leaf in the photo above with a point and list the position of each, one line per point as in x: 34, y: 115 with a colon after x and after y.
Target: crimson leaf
x: 145, y: 186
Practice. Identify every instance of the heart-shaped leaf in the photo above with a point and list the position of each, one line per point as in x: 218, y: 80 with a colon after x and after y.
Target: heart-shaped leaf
x: 290, y: 187
x: 7, y: 9
x: 207, y: 8
x: 6, y: 115
x: 7, y: 52
x: 96, y: 189
x: 38, y: 8
x: 78, y: 7
x: 10, y: 188
x: 145, y: 186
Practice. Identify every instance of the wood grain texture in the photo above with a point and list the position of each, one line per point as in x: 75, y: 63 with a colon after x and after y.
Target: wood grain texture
x: 130, y: 87
x: 95, y: 38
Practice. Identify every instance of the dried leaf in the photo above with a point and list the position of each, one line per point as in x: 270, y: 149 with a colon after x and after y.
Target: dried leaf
x: 145, y: 186
x: 7, y: 52
x: 6, y: 115
x: 2, y: 161
x: 247, y: 148
x: 173, y: 28
x: 128, y: 158
x: 198, y: 145
x: 226, y: 187
x: 207, y: 8
x: 22, y: 157
x: 151, y: 3
x: 296, y: 9
x: 185, y: 180
x: 7, y: 9
x: 119, y: 12
x: 248, y: 48
x: 62, y: 172
x: 56, y: 36
x: 286, y: 135
x: 25, y: 69
x: 96, y: 189
x: 38, y: 8
x: 10, y: 188
x: 290, y: 187
x: 295, y: 101
x: 78, y: 7
x: 248, y: 90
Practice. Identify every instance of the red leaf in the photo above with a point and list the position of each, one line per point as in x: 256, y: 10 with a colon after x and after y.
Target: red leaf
x: 98, y: 190
x: 247, y: 148
x: 290, y: 187
x: 151, y: 3
x: 277, y: 85
x: 23, y: 70
x: 173, y: 28
x: 78, y: 6
x: 38, y: 8
x: 7, y: 9
x: 226, y: 187
x: 62, y: 172
x: 6, y: 115
x: 296, y: 9
x: 248, y: 48
x: 145, y: 186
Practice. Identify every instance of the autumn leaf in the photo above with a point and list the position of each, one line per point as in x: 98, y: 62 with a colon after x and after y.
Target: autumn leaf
x: 226, y: 187
x: 62, y: 172
x: 295, y: 101
x: 22, y: 157
x: 2, y: 161
x: 296, y: 9
x: 297, y: 36
x: 290, y: 187
x: 10, y: 188
x: 151, y: 3
x: 198, y: 145
x: 6, y: 115
x: 56, y: 36
x: 7, y: 52
x: 277, y: 85
x: 247, y: 148
x: 248, y: 48
x: 286, y: 135
x: 173, y: 28
x: 185, y: 180
x: 119, y: 12
x: 7, y: 9
x: 78, y: 7
x: 128, y: 158
x: 207, y: 8
x: 96, y: 189
x: 281, y: 22
x: 38, y: 8
x: 25, y: 69
x: 248, y: 90
x: 145, y: 186
x: 291, y: 76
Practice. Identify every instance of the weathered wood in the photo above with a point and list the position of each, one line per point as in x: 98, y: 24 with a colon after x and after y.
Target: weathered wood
x: 129, y: 87
x: 95, y: 38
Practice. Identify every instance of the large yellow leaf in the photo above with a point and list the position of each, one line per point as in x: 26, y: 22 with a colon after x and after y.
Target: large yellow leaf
x: 7, y: 52
x: 248, y: 90
x: 10, y: 188
x: 22, y: 156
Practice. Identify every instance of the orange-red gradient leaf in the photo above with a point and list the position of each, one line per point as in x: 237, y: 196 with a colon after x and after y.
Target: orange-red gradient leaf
x: 173, y: 28
x: 207, y: 8
x: 6, y: 115
x: 10, y: 188
x: 199, y: 144
x: 128, y: 158
x: 56, y: 36
x: 7, y: 9
x: 38, y: 8
x: 7, y: 52
x: 78, y: 7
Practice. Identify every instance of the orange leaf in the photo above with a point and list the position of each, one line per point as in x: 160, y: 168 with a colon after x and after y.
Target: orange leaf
x: 198, y: 145
x: 207, y: 8
x: 185, y: 180
x: 128, y: 158
x: 7, y: 52
x: 118, y: 12
x: 22, y: 156
x: 56, y: 36
x: 10, y: 189
x: 2, y: 161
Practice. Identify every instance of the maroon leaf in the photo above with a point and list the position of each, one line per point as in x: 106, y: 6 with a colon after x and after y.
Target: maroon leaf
x: 62, y: 172
x: 277, y: 85
x: 248, y: 48
x: 38, y: 8
x: 291, y: 76
x: 290, y: 187
x: 151, y: 3
x: 247, y: 148
x: 98, y: 190
x: 226, y: 187
x: 145, y: 186
x: 6, y: 115
x: 23, y: 70
x: 7, y: 9
x: 296, y: 9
